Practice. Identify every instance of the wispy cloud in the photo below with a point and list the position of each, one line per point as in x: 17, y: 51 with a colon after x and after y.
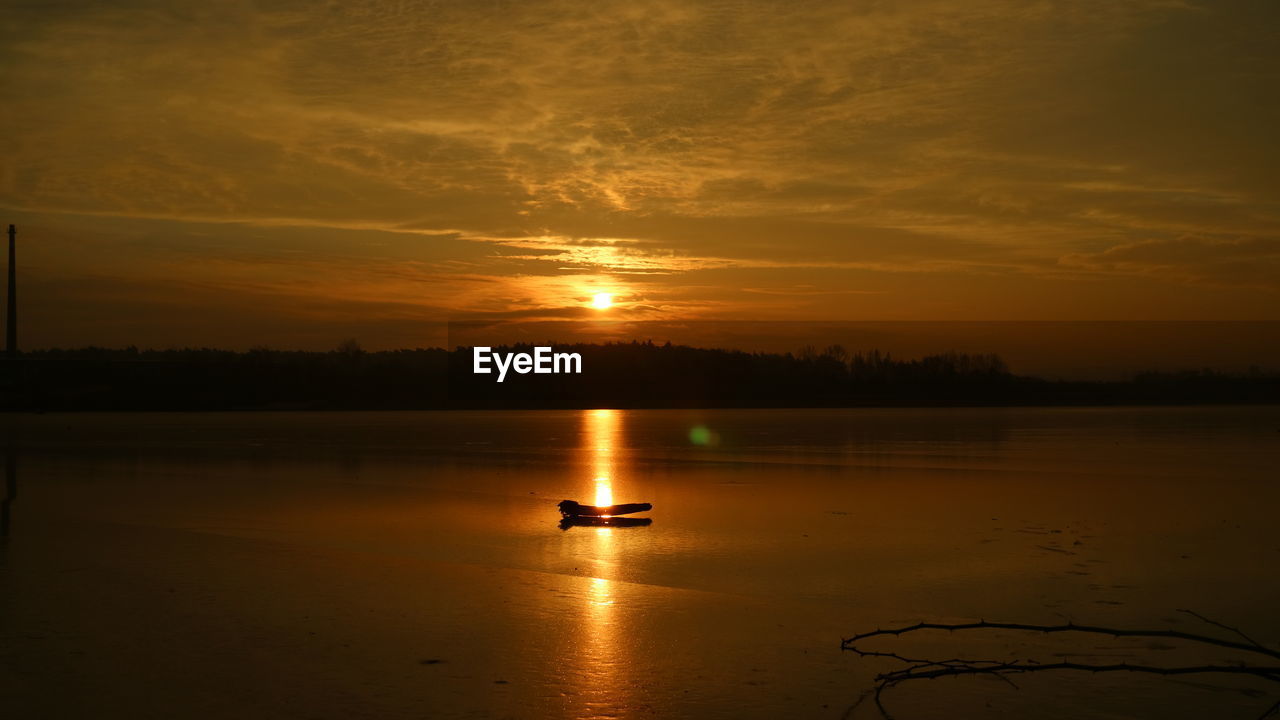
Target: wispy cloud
x: 484, y: 157
x: 1244, y: 261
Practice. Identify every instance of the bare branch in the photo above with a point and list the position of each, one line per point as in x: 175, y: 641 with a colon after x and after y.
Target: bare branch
x: 921, y: 673
x: 1251, y: 646
x: 924, y: 668
x: 1215, y: 623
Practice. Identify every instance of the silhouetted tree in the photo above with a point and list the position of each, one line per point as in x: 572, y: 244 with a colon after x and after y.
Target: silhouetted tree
x: 634, y: 374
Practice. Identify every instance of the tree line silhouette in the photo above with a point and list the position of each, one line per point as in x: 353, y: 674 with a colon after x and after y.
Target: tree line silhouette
x: 624, y: 375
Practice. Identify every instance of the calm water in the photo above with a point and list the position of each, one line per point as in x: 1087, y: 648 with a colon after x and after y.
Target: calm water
x: 391, y: 565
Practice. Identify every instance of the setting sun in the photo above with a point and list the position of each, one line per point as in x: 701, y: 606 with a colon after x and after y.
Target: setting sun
x: 601, y: 301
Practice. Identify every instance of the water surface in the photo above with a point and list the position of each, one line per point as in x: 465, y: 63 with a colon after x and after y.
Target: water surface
x: 411, y: 564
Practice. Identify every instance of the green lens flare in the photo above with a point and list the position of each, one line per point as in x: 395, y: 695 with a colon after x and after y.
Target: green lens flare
x: 700, y: 435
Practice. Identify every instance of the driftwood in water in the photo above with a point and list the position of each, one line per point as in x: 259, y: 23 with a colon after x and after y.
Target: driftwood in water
x: 569, y: 508
x: 927, y: 668
x: 592, y: 521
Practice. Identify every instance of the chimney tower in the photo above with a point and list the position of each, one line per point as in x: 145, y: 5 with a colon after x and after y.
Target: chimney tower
x: 11, y: 326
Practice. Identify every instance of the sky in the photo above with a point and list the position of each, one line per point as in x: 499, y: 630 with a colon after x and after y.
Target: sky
x: 290, y: 174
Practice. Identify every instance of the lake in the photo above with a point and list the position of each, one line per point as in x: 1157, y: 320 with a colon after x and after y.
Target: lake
x: 412, y: 565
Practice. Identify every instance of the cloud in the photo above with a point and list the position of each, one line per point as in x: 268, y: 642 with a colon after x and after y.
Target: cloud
x: 1244, y: 261
x: 518, y: 153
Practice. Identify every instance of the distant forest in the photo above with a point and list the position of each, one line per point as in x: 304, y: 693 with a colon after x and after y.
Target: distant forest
x: 623, y: 375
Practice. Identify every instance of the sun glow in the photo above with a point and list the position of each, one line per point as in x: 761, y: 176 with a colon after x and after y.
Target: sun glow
x: 602, y: 432
x: 602, y: 301
x: 604, y: 492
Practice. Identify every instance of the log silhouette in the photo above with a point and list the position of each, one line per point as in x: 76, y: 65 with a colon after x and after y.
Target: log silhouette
x: 571, y: 521
x: 570, y: 508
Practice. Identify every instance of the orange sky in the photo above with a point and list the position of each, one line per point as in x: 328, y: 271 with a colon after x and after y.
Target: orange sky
x: 232, y: 174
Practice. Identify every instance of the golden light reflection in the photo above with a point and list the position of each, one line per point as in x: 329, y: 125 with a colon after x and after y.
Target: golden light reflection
x: 605, y: 655
x: 604, y: 492
x: 602, y: 430
x: 600, y: 596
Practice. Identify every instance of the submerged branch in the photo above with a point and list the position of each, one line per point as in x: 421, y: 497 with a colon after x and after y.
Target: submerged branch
x: 926, y: 668
x: 1251, y: 646
x: 1228, y: 628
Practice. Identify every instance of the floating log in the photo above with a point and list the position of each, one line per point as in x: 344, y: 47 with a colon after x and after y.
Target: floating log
x: 569, y: 508
x: 593, y: 521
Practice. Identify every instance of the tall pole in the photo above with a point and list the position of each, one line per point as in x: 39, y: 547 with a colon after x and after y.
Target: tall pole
x: 10, y: 492
x: 11, y: 326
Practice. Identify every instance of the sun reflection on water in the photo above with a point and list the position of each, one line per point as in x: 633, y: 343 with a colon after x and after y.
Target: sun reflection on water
x: 604, y: 493
x: 605, y: 656
x: 600, y: 590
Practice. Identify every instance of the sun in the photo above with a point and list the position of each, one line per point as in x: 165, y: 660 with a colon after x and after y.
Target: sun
x: 602, y: 301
